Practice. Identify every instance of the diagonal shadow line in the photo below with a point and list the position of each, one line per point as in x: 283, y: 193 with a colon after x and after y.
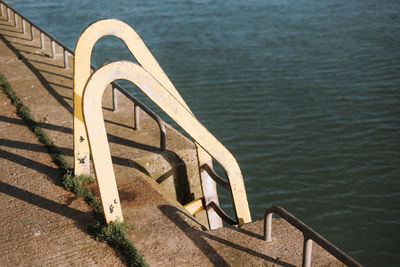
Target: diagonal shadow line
x: 67, y: 97
x: 58, y: 66
x: 41, y: 125
x: 68, y: 152
x: 42, y: 80
x: 10, y: 25
x: 14, y: 36
x: 52, y: 73
x: 24, y: 43
x: 247, y: 250
x: 193, y: 234
x: 67, y: 130
x: 180, y: 175
x: 61, y: 85
x: 120, y: 124
x: 198, y: 237
x: 240, y: 230
x: 170, y: 156
x: 38, y: 53
x: 34, y: 165
x: 9, y: 22
x: 23, y: 145
x: 42, y: 202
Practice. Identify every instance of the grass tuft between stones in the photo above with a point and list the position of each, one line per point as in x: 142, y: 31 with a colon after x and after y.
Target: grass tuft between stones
x: 114, y: 233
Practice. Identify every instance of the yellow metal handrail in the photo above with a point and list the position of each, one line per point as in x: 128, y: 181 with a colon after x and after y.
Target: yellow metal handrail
x: 139, y: 50
x: 157, y: 77
x: 173, y: 108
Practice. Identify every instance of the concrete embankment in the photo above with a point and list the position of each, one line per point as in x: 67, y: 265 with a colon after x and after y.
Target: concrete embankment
x: 42, y: 223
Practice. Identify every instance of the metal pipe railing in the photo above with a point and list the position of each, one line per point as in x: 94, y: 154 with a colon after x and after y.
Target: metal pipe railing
x: 159, y: 121
x: 68, y: 53
x: 309, y: 236
x: 215, y: 176
x: 222, y: 213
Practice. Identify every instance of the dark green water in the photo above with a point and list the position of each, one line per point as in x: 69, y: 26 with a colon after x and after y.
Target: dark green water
x: 304, y: 93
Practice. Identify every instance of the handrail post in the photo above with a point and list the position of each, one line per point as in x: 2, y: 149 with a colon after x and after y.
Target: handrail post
x: 268, y: 227
x: 53, y: 48
x: 209, y: 187
x: 42, y: 41
x: 136, y: 116
x: 2, y: 8
x: 114, y: 97
x: 307, y: 251
x: 23, y: 26
x: 8, y: 14
x: 66, y: 61
x: 16, y: 20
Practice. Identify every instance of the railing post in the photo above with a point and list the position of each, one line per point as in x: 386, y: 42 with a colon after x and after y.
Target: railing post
x: 209, y: 187
x: 114, y: 97
x: 268, y: 227
x: 66, y: 63
x: 136, y: 116
x: 16, y: 19
x: 307, y: 251
x: 42, y: 41
x: 2, y: 8
x: 8, y: 14
x: 53, y: 48
x: 23, y: 26
x: 31, y: 31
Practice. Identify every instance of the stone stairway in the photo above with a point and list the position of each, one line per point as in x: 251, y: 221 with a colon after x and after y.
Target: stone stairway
x: 152, y: 183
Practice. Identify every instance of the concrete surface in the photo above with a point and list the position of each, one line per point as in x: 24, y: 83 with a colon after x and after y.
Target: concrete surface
x: 40, y: 222
x: 160, y: 228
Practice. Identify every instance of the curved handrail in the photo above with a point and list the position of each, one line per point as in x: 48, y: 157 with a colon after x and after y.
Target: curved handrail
x: 83, y: 50
x: 215, y: 176
x: 94, y: 123
x: 139, y: 50
x: 309, y: 236
x: 221, y: 213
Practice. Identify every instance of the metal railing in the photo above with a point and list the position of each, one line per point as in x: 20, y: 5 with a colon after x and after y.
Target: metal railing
x: 11, y: 15
x: 225, y: 217
x: 137, y: 103
x: 309, y: 236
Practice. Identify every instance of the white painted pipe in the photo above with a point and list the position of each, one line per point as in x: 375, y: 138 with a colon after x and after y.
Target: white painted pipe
x: 2, y: 9
x: 307, y: 251
x: 42, y: 43
x: 53, y: 48
x: 23, y: 26
x: 66, y: 54
x: 16, y: 19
